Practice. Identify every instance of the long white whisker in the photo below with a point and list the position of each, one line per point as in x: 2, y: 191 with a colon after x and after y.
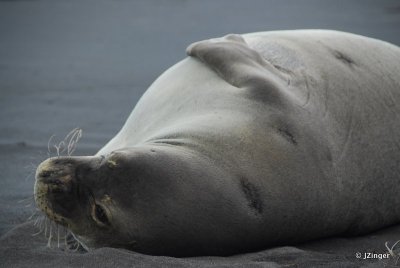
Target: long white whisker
x: 48, y: 145
x: 50, y: 237
x: 58, y: 236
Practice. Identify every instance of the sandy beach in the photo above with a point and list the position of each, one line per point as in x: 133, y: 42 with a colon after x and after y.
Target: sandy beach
x: 68, y: 64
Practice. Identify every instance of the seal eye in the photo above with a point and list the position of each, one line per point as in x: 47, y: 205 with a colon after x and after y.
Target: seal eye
x: 99, y: 215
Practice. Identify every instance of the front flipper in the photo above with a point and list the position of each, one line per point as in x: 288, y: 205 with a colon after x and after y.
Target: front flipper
x: 241, y: 66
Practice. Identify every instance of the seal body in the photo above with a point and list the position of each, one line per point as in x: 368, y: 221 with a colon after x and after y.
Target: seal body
x: 253, y: 141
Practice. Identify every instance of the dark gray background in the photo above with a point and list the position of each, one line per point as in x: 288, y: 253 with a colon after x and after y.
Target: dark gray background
x: 66, y: 64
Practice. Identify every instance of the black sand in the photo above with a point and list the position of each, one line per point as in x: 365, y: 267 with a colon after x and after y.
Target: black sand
x: 66, y: 64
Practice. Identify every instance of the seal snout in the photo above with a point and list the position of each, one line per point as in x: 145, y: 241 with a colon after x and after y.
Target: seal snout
x: 55, y: 174
x: 54, y: 186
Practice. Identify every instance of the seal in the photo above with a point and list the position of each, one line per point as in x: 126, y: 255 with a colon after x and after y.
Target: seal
x: 253, y: 141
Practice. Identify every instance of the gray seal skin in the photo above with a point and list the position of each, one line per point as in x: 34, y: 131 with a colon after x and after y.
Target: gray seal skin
x: 253, y: 141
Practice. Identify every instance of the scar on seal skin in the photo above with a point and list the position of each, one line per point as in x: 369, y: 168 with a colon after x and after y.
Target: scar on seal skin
x: 287, y: 135
x: 343, y: 58
x: 252, y: 195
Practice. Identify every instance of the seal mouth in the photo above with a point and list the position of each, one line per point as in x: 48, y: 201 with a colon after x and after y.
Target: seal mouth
x: 45, y: 204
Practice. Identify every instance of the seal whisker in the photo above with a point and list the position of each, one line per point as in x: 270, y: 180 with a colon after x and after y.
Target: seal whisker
x: 58, y: 236
x: 65, y: 239
x: 73, y: 243
x: 32, y: 215
x: 50, y: 237
x: 48, y: 145
x: 67, y: 145
x: 75, y: 136
x: 36, y: 220
x: 31, y: 169
x: 39, y: 232
x: 31, y: 166
x: 39, y: 223
x: 60, y: 148
x: 42, y: 223
x: 25, y: 199
x: 45, y: 227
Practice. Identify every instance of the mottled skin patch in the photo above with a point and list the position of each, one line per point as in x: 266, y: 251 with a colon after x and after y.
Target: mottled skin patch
x: 112, y: 163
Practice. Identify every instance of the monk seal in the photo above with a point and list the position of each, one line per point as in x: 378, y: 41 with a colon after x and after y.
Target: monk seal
x: 254, y: 140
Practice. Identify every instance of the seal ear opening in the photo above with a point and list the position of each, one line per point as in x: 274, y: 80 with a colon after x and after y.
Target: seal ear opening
x: 239, y: 65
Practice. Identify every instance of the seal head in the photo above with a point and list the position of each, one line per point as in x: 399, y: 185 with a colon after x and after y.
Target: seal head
x: 142, y: 198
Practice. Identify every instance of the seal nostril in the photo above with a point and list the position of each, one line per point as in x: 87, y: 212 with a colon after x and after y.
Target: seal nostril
x: 45, y: 174
x: 57, y: 182
x: 53, y: 182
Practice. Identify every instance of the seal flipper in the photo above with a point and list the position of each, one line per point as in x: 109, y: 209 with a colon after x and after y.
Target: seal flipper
x: 238, y: 64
